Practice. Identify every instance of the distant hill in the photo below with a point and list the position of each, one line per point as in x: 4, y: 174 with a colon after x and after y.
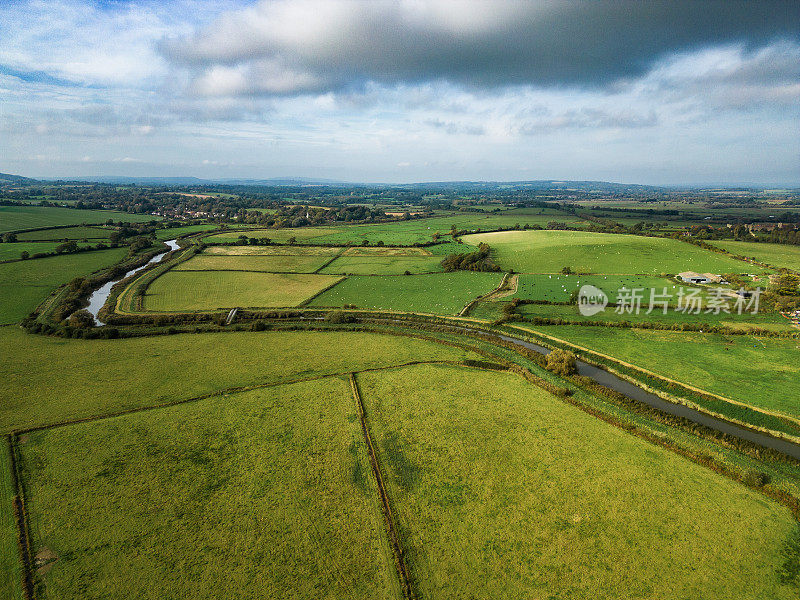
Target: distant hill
x: 7, y: 178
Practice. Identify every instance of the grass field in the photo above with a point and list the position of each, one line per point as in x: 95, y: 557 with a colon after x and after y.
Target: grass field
x: 45, y: 380
x: 261, y: 494
x: 173, y: 232
x: 209, y: 290
x: 384, y: 261
x: 499, y: 487
x: 24, y: 284
x: 10, y: 572
x: 66, y: 233
x: 550, y: 251
x: 271, y: 251
x: 403, y: 232
x: 440, y: 293
x: 558, y: 288
x: 13, y: 218
x: 254, y: 262
x: 766, y: 320
x: 779, y: 255
x: 14, y: 250
x: 761, y: 372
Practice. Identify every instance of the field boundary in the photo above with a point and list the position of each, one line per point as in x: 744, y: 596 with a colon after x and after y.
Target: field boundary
x: 333, y: 258
x: 394, y: 538
x: 21, y: 518
x: 468, y: 308
x: 221, y: 392
x: 311, y: 298
x: 687, y: 386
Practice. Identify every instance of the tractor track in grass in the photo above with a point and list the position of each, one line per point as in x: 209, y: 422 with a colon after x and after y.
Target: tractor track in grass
x: 391, y: 529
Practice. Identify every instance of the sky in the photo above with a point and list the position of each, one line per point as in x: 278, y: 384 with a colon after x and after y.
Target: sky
x: 655, y: 92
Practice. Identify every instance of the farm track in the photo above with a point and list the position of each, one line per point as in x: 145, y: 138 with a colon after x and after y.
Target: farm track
x: 391, y: 530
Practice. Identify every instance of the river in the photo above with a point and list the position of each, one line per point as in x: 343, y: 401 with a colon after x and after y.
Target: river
x: 99, y: 296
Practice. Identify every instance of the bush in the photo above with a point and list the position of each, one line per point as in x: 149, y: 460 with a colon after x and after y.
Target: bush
x: 561, y: 362
x: 338, y: 316
x: 81, y: 319
x: 756, y: 479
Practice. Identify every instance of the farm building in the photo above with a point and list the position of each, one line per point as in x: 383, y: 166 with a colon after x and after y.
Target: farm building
x: 692, y: 277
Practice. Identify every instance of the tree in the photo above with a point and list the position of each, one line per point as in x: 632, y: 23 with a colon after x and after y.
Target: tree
x: 567, y: 271
x: 10, y: 238
x: 70, y: 246
x: 25, y: 255
x: 561, y: 362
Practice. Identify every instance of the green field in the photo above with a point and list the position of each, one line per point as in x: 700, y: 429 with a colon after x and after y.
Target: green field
x: 261, y: 494
x: 45, y: 380
x: 384, y: 261
x: 10, y: 572
x: 210, y: 290
x: 66, y: 233
x: 499, y: 487
x: 410, y: 232
x: 439, y: 293
x: 24, y: 284
x: 13, y: 218
x: 173, y: 232
x: 14, y: 250
x: 779, y: 255
x: 761, y: 372
x: 767, y: 320
x: 550, y: 251
x: 558, y: 288
x: 272, y: 251
x: 264, y: 263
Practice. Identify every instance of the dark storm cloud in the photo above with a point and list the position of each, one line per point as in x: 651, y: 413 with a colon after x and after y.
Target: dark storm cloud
x: 280, y: 48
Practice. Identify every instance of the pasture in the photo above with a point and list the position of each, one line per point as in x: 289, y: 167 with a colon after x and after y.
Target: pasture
x: 173, y: 232
x: 778, y: 255
x: 10, y: 572
x: 766, y: 320
x: 13, y: 218
x: 209, y: 290
x: 556, y: 287
x: 605, y: 253
x: 25, y: 284
x: 760, y: 372
x: 500, y: 487
x: 65, y: 233
x: 439, y: 293
x: 266, y: 493
x: 45, y: 380
x: 271, y: 251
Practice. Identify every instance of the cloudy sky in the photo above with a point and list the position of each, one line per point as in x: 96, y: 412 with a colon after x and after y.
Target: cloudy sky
x: 663, y: 92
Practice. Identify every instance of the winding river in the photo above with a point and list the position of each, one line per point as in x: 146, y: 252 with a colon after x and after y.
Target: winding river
x: 99, y: 296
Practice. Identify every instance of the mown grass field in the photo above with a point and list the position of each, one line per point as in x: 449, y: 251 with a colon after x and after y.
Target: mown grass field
x: 584, y: 252
x: 439, y: 293
x: 209, y: 290
x: 761, y: 372
x: 13, y: 218
x: 45, y: 380
x: 265, y: 263
x: 779, y: 255
x: 10, y: 572
x: 66, y: 233
x: 499, y: 487
x: 261, y: 494
x: 271, y: 251
x: 24, y: 284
